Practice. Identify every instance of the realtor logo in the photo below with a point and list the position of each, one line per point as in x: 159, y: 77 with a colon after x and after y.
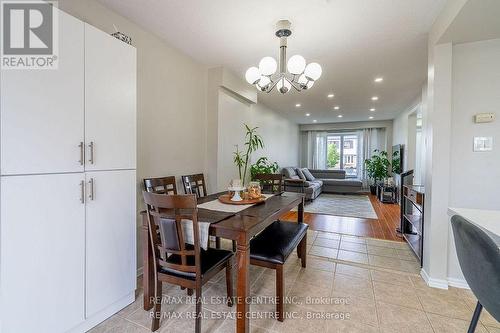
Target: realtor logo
x: 29, y: 35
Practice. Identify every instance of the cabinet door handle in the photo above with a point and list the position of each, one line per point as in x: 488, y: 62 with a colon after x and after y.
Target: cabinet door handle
x: 82, y: 153
x: 91, y: 183
x: 91, y: 146
x: 82, y: 191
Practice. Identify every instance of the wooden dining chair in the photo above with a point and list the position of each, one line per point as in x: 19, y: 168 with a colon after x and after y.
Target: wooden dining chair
x: 176, y: 262
x: 161, y: 185
x: 270, y: 183
x: 195, y: 184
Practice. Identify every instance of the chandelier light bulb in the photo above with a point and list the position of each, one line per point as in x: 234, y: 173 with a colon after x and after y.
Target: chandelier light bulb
x: 283, y: 86
x: 296, y: 64
x: 252, y: 75
x: 313, y: 71
x: 303, y: 80
x: 267, y: 66
x: 263, y: 82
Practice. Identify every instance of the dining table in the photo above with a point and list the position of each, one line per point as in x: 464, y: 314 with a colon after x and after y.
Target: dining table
x: 241, y: 227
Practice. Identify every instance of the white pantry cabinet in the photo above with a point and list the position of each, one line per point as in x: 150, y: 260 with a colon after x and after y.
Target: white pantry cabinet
x: 110, y: 241
x: 68, y: 213
x: 110, y: 102
x: 42, y: 111
x: 42, y: 269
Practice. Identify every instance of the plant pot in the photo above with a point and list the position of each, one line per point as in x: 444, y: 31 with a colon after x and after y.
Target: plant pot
x: 373, y: 189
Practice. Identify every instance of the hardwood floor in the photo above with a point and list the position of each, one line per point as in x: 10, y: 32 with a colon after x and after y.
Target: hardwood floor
x: 383, y: 228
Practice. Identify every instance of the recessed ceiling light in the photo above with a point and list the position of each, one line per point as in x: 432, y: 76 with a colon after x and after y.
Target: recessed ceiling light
x: 308, y: 114
x: 379, y: 79
x: 297, y: 105
x: 314, y: 120
x: 340, y: 116
x: 336, y: 108
x: 374, y: 98
x: 330, y: 95
x: 372, y: 109
x: 370, y: 117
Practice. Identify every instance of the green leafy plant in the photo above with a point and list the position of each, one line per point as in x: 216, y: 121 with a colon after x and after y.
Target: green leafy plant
x: 332, y: 156
x: 396, y: 162
x: 378, y: 166
x: 253, y: 142
x: 263, y: 166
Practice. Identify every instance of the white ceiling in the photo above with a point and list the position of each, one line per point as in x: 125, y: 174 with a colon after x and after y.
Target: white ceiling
x: 353, y: 40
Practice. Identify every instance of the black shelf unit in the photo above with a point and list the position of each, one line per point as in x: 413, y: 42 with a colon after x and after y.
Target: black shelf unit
x: 412, y: 218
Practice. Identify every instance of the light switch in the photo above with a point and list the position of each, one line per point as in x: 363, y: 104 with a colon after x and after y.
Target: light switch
x: 483, y: 143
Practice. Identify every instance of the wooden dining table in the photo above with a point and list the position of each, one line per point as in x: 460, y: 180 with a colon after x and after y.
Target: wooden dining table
x: 241, y: 227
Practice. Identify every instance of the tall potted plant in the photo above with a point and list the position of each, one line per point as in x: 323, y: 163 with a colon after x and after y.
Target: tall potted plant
x: 241, y: 158
x: 377, y: 168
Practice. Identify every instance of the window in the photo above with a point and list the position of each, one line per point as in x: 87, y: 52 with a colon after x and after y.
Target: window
x: 342, y: 153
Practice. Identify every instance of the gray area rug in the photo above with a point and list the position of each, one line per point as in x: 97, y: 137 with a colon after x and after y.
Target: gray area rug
x: 342, y: 205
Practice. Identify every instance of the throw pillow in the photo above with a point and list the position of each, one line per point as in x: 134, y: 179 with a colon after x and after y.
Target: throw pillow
x: 308, y: 174
x: 301, y: 174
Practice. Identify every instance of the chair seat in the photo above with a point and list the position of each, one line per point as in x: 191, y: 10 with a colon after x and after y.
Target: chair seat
x: 277, y: 241
x: 209, y: 258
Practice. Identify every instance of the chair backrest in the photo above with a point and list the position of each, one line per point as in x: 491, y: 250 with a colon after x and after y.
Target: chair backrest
x: 479, y: 259
x: 162, y: 185
x: 195, y: 184
x: 165, y: 214
x: 271, y: 183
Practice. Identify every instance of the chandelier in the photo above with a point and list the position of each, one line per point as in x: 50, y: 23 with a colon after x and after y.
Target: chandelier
x: 293, y: 73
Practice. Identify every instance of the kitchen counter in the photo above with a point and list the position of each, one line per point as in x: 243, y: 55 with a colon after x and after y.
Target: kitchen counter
x: 486, y: 219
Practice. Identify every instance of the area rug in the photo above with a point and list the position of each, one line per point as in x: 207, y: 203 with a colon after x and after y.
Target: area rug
x: 342, y: 205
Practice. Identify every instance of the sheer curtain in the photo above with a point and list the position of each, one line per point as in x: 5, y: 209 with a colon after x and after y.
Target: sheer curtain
x: 315, y: 150
x: 319, y: 156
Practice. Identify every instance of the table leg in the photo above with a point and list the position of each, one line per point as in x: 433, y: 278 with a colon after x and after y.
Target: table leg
x: 147, y: 274
x: 300, y: 212
x: 243, y: 287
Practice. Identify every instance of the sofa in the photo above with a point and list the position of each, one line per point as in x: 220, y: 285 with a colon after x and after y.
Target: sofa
x: 328, y: 181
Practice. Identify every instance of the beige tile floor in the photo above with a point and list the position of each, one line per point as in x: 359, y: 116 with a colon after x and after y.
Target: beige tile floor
x: 351, y: 284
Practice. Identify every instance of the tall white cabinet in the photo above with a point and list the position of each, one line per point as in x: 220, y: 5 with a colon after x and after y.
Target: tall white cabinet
x: 68, y: 185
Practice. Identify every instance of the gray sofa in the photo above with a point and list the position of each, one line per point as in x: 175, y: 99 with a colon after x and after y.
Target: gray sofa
x: 328, y: 181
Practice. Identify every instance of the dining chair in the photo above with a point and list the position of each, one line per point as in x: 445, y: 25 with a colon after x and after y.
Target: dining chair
x: 161, y: 185
x: 195, y: 184
x: 176, y: 262
x: 273, y: 246
x: 270, y: 183
x: 479, y: 258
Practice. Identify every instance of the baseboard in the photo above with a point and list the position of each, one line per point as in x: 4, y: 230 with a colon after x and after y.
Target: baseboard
x: 432, y: 282
x: 458, y: 283
x: 104, y: 314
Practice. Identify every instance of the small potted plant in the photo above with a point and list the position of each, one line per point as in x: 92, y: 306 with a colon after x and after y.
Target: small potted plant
x: 263, y: 166
x: 377, y: 169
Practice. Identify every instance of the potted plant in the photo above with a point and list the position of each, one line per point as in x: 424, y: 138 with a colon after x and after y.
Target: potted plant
x: 263, y: 166
x: 377, y: 168
x: 253, y: 142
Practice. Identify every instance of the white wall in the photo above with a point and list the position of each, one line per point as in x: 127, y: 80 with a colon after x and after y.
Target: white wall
x: 402, y: 132
x: 476, y: 88
x: 279, y: 134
